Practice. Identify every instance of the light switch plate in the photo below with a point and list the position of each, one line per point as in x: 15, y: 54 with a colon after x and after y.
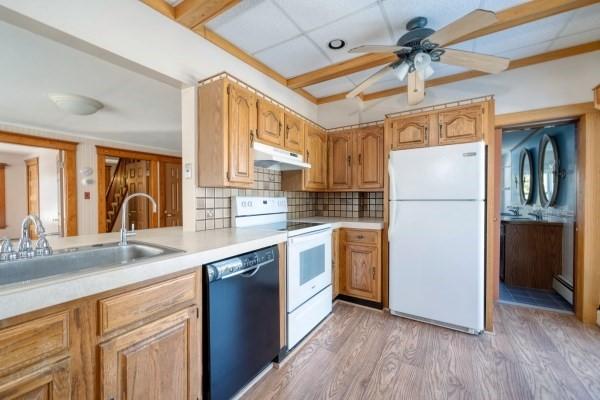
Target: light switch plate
x: 188, y: 171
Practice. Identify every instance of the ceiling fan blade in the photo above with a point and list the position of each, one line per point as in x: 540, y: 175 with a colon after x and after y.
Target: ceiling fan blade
x: 471, y: 22
x: 369, y: 81
x: 416, y: 89
x: 377, y: 49
x: 476, y: 61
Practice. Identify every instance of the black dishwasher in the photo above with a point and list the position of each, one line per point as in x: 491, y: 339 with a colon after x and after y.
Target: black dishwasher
x: 241, y: 320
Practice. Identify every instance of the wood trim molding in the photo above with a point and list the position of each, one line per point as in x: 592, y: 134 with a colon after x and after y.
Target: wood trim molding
x: 191, y: 13
x: 587, y: 255
x: 69, y: 170
x: 509, y: 18
x: 444, y: 80
x: 36, y: 141
x: 543, y: 114
x: 140, y: 155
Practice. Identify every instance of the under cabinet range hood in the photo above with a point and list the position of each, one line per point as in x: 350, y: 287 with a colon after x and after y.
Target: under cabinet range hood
x: 266, y: 156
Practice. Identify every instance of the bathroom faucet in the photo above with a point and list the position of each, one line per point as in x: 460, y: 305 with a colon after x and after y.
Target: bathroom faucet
x: 124, y: 217
x: 537, y: 214
x: 7, y: 253
x: 25, y: 248
x: 514, y: 210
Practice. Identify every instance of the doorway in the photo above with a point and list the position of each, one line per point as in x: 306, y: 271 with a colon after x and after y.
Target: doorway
x: 538, y: 215
x: 32, y: 180
x: 122, y: 173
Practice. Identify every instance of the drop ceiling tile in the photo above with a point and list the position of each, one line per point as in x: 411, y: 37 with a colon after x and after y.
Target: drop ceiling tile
x: 364, y: 27
x: 328, y: 88
x: 499, y: 5
x: 253, y: 25
x: 576, y: 39
x: 521, y: 36
x: 438, y: 13
x: 445, y: 70
x: 584, y: 19
x: 384, y: 85
x: 526, y: 51
x: 293, y: 57
x: 310, y: 14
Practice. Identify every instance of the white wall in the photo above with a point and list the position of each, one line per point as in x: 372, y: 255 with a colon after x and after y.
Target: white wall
x: 566, y: 81
x: 134, y: 31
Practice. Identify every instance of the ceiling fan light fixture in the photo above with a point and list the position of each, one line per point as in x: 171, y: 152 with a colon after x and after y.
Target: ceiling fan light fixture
x: 75, y: 104
x: 422, y: 61
x: 426, y: 73
x: 401, y: 70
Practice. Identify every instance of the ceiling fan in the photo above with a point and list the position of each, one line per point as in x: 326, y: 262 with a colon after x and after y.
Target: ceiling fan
x: 420, y: 46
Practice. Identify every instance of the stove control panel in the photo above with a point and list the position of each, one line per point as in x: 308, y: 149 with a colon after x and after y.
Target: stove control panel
x: 244, y: 206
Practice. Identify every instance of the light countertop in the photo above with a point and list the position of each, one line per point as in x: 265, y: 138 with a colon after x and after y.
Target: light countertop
x: 351, y: 223
x: 199, y: 248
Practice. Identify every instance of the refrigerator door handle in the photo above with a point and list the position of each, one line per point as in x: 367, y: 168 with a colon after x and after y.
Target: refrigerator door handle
x: 392, y: 192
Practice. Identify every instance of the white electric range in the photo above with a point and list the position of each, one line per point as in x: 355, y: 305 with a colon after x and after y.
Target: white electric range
x: 309, y: 292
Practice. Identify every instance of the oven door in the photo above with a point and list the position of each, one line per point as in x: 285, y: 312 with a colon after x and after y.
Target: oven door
x: 308, y: 266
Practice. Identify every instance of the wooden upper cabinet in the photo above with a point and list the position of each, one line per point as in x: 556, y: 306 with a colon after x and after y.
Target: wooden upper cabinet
x: 316, y: 155
x: 340, y: 148
x: 270, y: 123
x: 242, y: 128
x: 294, y: 133
x: 369, y: 157
x: 461, y: 125
x: 227, y: 121
x: 597, y: 97
x: 168, y: 347
x: 410, y: 132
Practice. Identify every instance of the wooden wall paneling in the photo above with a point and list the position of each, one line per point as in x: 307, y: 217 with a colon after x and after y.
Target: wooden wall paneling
x: 70, y: 192
x: 154, y: 191
x: 588, y: 272
x: 493, y: 139
x: 2, y: 196
x: 101, y: 171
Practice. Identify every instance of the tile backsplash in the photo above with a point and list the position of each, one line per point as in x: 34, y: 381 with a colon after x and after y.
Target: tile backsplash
x: 213, y: 205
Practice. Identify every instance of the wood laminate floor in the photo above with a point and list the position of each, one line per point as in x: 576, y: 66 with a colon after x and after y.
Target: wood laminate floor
x: 364, y: 354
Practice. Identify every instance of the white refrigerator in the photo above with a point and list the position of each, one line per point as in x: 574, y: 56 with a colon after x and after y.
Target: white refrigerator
x: 437, y: 235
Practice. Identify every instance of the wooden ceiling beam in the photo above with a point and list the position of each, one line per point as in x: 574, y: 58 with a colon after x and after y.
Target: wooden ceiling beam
x: 444, y: 80
x: 509, y: 18
x: 192, y: 13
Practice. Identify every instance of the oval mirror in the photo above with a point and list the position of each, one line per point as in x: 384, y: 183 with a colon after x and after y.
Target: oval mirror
x: 526, y: 176
x: 548, y: 164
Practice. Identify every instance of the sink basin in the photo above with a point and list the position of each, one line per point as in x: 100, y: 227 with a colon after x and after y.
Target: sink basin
x: 79, y: 259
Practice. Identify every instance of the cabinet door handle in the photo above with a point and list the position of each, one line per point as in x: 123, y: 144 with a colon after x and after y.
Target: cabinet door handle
x: 426, y: 133
x: 307, y: 155
x: 251, y: 136
x: 440, y: 132
x: 373, y: 272
x: 360, y: 237
x: 360, y: 159
x: 349, y: 160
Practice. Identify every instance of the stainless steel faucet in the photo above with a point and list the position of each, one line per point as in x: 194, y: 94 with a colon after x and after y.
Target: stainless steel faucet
x: 124, y: 216
x: 514, y: 210
x: 26, y: 249
x: 7, y: 253
x: 537, y: 214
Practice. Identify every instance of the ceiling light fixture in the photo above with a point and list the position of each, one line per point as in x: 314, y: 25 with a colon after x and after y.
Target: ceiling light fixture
x: 75, y: 104
x: 336, y: 44
x: 401, y: 70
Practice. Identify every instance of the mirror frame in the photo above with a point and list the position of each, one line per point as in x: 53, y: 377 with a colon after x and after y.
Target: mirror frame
x: 523, y: 157
x: 544, y: 200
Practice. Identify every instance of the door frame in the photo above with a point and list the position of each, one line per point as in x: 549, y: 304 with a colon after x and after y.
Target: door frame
x: 69, y: 188
x: 157, y: 219
x: 587, y: 256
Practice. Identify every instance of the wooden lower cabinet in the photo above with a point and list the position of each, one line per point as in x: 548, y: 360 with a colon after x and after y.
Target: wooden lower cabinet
x: 360, y: 264
x: 138, y: 342
x: 155, y: 361
x: 44, y: 382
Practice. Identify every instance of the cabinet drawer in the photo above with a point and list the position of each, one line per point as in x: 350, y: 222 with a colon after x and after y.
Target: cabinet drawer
x: 124, y: 309
x: 360, y: 236
x: 29, y: 342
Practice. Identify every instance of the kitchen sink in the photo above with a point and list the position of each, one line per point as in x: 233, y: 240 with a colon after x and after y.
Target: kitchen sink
x: 79, y: 259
